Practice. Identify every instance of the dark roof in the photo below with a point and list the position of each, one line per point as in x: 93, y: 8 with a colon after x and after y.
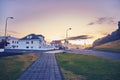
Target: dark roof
x: 32, y: 36
x: 7, y: 37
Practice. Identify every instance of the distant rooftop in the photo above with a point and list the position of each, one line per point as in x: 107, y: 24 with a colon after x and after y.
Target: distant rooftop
x: 8, y: 37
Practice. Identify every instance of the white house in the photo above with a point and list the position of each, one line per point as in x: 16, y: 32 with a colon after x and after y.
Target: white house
x: 32, y: 42
x: 13, y: 43
x: 12, y: 40
x: 29, y: 42
x: 9, y: 39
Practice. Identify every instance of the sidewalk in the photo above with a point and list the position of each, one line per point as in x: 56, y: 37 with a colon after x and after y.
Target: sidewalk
x: 44, y: 68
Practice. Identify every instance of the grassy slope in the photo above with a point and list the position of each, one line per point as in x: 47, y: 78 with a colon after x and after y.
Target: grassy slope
x: 110, y: 46
x: 86, y: 67
x: 12, y: 66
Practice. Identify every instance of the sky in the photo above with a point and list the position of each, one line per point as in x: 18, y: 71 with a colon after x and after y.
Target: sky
x: 52, y: 18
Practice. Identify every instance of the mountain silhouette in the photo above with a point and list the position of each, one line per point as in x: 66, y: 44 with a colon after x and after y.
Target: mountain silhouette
x: 111, y: 37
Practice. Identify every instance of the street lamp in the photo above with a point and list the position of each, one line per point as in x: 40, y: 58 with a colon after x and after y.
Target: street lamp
x: 6, y: 29
x: 66, y: 41
x: 67, y: 32
x: 6, y: 24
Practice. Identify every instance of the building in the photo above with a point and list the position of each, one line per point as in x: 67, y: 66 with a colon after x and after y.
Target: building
x: 29, y: 42
x: 6, y: 40
x: 56, y: 44
x: 33, y: 42
x: 13, y: 43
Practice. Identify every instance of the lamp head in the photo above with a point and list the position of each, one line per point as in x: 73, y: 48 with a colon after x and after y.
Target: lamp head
x: 70, y: 28
x: 11, y: 18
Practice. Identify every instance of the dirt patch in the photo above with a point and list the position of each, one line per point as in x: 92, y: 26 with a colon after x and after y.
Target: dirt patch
x: 68, y: 75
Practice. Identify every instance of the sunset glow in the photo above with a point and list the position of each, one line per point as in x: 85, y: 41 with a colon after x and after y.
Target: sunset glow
x: 51, y: 18
x: 82, y: 42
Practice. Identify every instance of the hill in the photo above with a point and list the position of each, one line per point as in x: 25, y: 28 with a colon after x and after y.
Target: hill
x: 111, y: 37
x: 110, y: 46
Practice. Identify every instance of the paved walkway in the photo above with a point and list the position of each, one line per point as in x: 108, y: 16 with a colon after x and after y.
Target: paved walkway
x: 44, y: 68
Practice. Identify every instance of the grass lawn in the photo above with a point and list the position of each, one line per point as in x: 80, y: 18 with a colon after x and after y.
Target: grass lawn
x: 110, y: 46
x: 86, y: 67
x: 12, y: 66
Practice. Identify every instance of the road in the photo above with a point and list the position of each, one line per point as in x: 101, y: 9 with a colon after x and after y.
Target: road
x: 111, y: 55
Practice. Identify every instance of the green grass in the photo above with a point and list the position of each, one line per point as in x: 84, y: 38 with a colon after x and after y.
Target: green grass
x: 86, y: 67
x: 12, y: 66
x: 110, y: 46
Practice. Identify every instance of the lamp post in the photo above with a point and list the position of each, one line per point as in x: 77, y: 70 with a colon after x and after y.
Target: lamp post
x: 6, y: 30
x: 84, y: 43
x: 66, y: 41
x: 6, y: 24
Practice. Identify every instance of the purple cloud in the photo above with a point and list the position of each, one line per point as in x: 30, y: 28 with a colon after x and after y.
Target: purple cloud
x: 80, y: 37
x: 102, y: 20
x: 92, y: 23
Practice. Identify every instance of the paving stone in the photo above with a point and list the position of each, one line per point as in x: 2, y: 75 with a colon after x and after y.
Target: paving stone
x: 44, y: 68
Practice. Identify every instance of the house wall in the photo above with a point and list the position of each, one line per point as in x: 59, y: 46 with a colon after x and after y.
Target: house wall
x: 13, y: 44
x: 29, y: 44
x: 26, y: 44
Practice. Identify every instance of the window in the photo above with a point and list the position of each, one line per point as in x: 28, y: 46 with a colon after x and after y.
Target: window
x: 27, y: 42
x: 27, y: 46
x: 31, y: 42
x: 39, y: 46
x: 17, y: 42
x: 31, y: 46
x: 12, y: 41
x: 13, y: 46
x: 29, y: 37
